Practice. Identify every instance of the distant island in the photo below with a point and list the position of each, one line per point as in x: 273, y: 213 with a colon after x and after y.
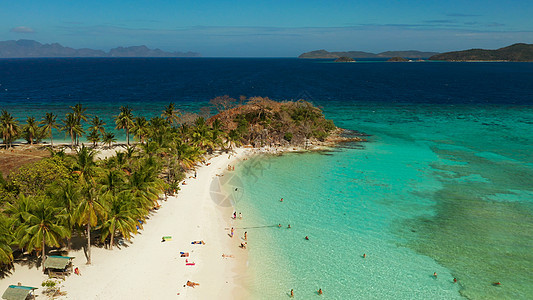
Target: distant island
x: 31, y: 48
x: 515, y: 52
x: 397, y: 59
x: 345, y: 59
x: 360, y: 54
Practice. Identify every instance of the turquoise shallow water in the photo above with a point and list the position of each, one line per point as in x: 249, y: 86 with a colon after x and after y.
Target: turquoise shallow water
x: 437, y: 189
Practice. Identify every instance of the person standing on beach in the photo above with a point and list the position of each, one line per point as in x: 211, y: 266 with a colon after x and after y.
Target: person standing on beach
x: 232, y: 231
x: 240, y: 215
x: 245, y: 236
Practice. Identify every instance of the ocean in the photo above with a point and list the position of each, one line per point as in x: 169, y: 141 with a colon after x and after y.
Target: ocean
x: 442, y: 185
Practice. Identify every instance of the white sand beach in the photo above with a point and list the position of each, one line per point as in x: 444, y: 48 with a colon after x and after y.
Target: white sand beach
x: 148, y: 268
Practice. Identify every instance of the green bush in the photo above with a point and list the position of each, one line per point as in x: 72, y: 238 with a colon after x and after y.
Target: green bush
x: 32, y: 179
x: 288, y: 137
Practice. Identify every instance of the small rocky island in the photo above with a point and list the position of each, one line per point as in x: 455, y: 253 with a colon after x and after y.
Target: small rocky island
x: 345, y: 59
x: 397, y: 59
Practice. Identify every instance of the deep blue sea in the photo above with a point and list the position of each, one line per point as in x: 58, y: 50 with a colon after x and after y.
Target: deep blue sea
x: 445, y: 183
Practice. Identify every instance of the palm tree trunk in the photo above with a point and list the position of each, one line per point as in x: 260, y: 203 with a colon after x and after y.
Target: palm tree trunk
x: 51, y: 138
x: 89, y: 242
x: 128, y: 135
x: 72, y: 138
x: 112, y: 237
x: 43, y: 257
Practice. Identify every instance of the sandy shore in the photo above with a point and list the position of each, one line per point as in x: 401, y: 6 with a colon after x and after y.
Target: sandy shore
x: 150, y: 269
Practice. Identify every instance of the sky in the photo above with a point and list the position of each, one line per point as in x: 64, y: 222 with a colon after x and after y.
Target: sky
x: 220, y: 28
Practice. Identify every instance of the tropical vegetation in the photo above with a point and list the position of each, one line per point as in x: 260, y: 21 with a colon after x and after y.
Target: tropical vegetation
x: 43, y: 205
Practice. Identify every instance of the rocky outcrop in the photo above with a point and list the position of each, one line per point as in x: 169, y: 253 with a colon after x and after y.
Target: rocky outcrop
x: 345, y: 59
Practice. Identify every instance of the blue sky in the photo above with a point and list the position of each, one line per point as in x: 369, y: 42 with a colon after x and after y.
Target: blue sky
x: 270, y: 28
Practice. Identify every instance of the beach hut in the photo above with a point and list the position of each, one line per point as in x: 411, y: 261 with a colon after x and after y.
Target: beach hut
x: 19, y: 292
x: 58, y: 266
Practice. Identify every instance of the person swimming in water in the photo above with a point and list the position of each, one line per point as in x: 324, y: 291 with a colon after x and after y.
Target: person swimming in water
x: 289, y: 226
x: 454, y: 280
x: 292, y: 293
x: 364, y: 255
x: 319, y: 291
x: 306, y: 238
x: 435, y: 274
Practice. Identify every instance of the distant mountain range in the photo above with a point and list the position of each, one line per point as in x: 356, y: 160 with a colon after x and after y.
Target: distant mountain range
x: 516, y: 52
x: 31, y: 48
x: 361, y: 54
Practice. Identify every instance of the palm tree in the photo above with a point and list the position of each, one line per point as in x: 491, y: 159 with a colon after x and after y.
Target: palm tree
x: 91, y: 208
x: 200, y: 134
x: 79, y: 115
x: 233, y: 138
x: 94, y: 137
x: 216, y: 133
x: 72, y: 127
x: 6, y: 238
x: 124, y: 120
x: 79, y: 112
x: 84, y: 164
x: 111, y: 181
x: 144, y: 183
x: 43, y: 227
x: 186, y: 154
x: 17, y: 211
x: 66, y: 195
x: 159, y: 130
x: 31, y: 129
x: 170, y: 114
x: 48, y: 123
x: 121, y: 217
x: 9, y: 127
x: 130, y: 152
x: 184, y: 131
x: 140, y: 128
x: 108, y: 139
x: 97, y: 125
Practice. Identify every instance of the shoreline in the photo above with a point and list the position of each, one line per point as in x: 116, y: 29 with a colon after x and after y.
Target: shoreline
x: 150, y: 269
x: 193, y: 214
